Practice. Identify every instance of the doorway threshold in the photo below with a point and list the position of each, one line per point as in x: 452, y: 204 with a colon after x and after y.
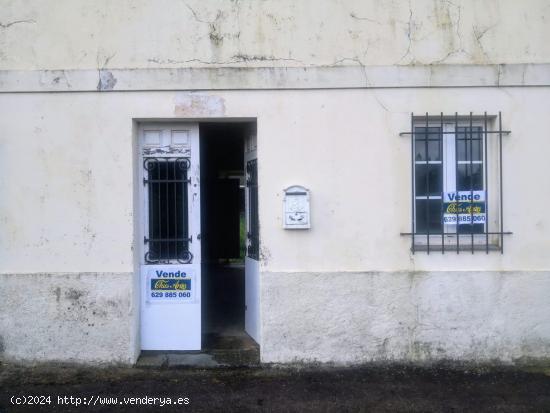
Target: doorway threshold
x: 220, y: 351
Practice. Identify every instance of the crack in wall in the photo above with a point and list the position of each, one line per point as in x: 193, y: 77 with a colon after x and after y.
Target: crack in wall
x: 107, y: 60
x: 354, y: 16
x: 403, y: 33
x: 244, y: 58
x: 380, y: 103
x: 356, y: 60
x: 238, y: 58
x: 9, y: 24
x: 409, y: 33
x: 478, y: 36
x: 456, y: 25
x: 106, y: 80
x: 460, y: 48
x: 214, y: 31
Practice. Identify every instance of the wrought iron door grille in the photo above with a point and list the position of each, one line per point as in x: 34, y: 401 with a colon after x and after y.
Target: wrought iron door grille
x: 167, y: 204
x: 450, y: 183
x: 253, y: 249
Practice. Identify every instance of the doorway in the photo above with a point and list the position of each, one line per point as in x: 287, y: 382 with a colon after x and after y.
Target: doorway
x: 198, y: 219
x: 225, y: 235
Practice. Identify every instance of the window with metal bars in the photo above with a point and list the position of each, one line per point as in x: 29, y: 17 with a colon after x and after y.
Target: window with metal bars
x: 253, y: 248
x: 452, y: 208
x: 167, y: 239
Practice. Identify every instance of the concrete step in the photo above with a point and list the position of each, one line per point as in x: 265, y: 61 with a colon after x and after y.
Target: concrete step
x: 206, y: 359
x: 220, y: 350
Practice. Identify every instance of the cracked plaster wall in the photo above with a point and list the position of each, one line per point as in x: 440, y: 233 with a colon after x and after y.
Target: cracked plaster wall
x: 167, y: 33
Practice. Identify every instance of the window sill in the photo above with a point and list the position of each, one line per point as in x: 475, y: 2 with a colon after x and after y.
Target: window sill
x: 453, y: 247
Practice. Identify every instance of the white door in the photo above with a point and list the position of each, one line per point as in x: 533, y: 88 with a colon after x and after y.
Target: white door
x: 252, y: 257
x: 169, y: 182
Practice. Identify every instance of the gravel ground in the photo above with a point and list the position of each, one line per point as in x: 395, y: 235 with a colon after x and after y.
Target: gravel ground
x: 297, y: 389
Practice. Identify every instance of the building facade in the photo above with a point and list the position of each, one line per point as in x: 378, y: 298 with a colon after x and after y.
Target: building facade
x: 374, y: 116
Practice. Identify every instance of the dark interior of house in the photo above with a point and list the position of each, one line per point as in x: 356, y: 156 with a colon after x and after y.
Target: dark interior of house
x: 223, y: 232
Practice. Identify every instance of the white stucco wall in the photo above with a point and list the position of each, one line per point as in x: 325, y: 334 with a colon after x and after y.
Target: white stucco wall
x: 69, y: 210
x: 331, y: 84
x: 69, y: 205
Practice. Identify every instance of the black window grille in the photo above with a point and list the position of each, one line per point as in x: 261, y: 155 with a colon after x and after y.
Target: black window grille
x: 253, y: 234
x: 166, y: 182
x: 450, y: 183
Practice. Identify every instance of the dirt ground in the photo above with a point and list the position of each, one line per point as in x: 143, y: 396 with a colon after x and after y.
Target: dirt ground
x: 372, y: 389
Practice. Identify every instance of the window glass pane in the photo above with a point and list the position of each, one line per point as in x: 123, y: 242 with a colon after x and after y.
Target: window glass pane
x: 432, y: 140
x: 428, y: 212
x: 469, y: 145
x: 470, y: 177
x: 428, y: 179
x: 167, y: 209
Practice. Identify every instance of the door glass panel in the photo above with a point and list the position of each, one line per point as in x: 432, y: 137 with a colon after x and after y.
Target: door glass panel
x: 167, y: 198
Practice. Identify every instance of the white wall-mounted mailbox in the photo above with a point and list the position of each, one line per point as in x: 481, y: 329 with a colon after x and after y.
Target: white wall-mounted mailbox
x: 296, y: 208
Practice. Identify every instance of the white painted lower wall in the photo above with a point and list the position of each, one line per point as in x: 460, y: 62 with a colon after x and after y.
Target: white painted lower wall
x: 352, y: 317
x: 75, y: 317
x: 343, y: 318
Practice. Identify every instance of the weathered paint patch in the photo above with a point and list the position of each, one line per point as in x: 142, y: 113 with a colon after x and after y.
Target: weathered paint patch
x: 74, y: 294
x: 107, y: 81
x: 198, y: 105
x: 87, y: 317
